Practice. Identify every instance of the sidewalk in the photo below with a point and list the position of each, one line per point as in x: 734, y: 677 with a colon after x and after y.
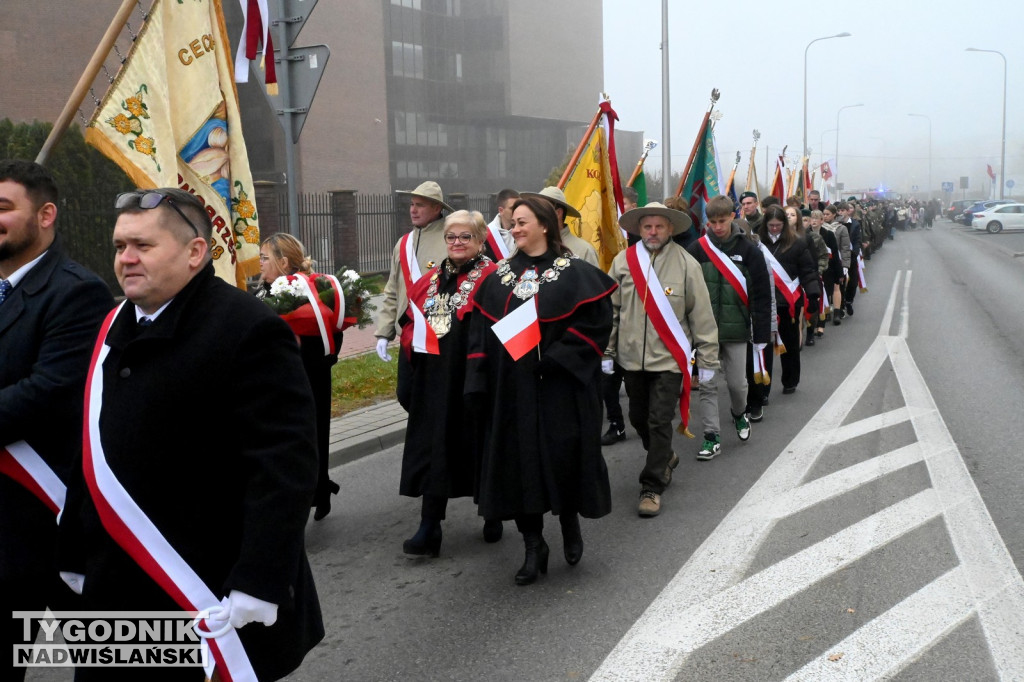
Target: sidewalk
x: 370, y: 429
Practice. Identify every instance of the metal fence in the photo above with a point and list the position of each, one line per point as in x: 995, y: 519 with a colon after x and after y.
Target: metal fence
x: 85, y: 225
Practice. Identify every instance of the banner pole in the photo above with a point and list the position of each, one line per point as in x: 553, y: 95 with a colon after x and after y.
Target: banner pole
x: 84, y: 83
x: 579, y: 150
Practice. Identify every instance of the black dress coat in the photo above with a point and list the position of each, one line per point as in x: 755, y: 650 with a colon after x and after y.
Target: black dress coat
x: 542, y: 415
x: 208, y: 423
x: 47, y: 326
x: 442, y: 444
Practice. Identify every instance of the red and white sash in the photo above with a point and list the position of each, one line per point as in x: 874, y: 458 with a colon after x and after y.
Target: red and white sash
x: 789, y: 287
x: 24, y: 465
x: 407, y: 258
x: 726, y: 267
x: 659, y: 310
x: 860, y: 273
x: 137, y: 535
x: 760, y: 372
x: 498, y: 246
x: 326, y: 327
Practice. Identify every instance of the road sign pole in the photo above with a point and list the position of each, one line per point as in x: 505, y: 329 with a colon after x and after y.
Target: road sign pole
x: 286, y: 100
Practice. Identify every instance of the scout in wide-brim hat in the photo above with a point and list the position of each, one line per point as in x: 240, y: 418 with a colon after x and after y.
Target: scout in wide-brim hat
x: 630, y: 220
x: 556, y: 196
x: 428, y: 190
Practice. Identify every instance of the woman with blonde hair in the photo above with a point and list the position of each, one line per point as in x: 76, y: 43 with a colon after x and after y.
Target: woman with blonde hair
x: 280, y: 255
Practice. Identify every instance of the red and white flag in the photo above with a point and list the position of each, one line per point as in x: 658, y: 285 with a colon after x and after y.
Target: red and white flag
x: 863, y: 280
x: 519, y: 331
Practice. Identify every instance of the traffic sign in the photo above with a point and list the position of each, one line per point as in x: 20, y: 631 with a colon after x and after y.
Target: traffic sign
x: 305, y: 69
x: 1010, y: 183
x: 295, y: 14
x: 947, y: 187
x: 913, y: 188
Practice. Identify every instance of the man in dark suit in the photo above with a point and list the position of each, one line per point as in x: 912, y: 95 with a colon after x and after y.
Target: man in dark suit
x: 198, y: 408
x: 50, y: 309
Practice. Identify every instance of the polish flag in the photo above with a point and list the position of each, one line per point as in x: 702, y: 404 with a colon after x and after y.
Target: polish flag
x: 519, y: 331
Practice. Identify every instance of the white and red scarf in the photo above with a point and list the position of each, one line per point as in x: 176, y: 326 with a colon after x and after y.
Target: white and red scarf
x: 23, y: 464
x: 497, y: 244
x: 863, y: 280
x: 659, y: 311
x: 787, y: 286
x: 136, y: 533
x: 424, y: 340
x: 726, y: 267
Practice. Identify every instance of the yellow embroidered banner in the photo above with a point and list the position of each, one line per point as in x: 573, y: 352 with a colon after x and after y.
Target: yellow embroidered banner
x: 171, y: 119
x: 590, y: 190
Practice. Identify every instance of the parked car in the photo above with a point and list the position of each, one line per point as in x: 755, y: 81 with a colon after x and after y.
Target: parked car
x: 968, y: 214
x: 958, y: 206
x: 997, y: 218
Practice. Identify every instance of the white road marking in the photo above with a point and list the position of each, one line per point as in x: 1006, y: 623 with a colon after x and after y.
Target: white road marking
x: 709, y: 596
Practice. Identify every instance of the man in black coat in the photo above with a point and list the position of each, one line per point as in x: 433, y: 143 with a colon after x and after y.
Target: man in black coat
x: 201, y: 410
x: 50, y: 309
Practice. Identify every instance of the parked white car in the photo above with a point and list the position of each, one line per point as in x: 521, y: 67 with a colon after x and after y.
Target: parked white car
x: 998, y: 218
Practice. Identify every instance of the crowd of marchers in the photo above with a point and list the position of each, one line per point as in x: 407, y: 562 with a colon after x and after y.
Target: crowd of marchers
x: 512, y: 338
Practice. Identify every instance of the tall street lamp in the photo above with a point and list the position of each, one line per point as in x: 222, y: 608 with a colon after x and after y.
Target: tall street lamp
x: 929, y: 150
x: 835, y: 173
x: 1002, y: 156
x: 838, y: 35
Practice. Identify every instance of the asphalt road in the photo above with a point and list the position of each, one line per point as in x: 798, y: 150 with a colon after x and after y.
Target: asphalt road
x: 871, y: 528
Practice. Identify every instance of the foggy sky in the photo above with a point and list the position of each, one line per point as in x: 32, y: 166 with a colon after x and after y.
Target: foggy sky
x: 905, y: 56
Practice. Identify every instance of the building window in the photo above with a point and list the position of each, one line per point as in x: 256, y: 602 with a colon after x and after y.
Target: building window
x: 411, y: 4
x: 458, y: 66
x: 452, y: 7
x: 406, y: 59
x: 399, y: 127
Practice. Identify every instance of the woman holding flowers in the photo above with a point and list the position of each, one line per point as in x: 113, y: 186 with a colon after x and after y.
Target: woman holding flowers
x: 282, y: 260
x: 441, y: 445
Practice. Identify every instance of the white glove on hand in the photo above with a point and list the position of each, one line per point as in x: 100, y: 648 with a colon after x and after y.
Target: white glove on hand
x: 243, y: 609
x: 705, y: 375
x: 76, y: 581
x: 846, y: 272
x: 382, y: 350
x: 760, y: 346
x: 607, y: 365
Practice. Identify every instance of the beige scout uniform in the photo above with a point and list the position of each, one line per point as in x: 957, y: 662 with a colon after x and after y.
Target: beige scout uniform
x: 430, y: 249
x: 634, y: 342
x: 579, y: 247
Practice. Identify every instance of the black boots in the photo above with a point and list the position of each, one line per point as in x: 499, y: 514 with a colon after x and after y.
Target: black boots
x: 536, y: 558
x: 427, y: 541
x: 572, y: 539
x: 493, y: 528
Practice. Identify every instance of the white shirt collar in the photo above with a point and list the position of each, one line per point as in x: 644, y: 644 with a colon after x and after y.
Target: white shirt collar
x: 20, y: 273
x: 152, y: 316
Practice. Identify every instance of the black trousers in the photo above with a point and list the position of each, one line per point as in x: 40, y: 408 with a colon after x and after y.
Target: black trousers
x: 790, y: 331
x: 653, y: 403
x: 853, y: 281
x: 610, y: 385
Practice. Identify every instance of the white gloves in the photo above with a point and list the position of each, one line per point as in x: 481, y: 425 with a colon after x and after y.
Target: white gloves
x: 607, y: 365
x: 382, y: 350
x: 76, y: 581
x: 760, y: 346
x: 846, y: 272
x: 705, y: 375
x: 242, y: 609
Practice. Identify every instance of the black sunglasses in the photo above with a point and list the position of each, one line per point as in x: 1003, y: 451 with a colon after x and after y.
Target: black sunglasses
x: 150, y: 199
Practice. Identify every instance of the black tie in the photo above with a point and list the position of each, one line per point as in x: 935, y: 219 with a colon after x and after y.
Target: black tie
x: 145, y: 321
x: 5, y: 289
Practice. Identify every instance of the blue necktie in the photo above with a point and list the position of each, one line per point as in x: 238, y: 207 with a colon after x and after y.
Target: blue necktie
x: 145, y: 321
x: 5, y: 289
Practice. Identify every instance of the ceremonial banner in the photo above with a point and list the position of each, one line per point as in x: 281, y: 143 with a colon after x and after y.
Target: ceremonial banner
x: 640, y: 185
x: 778, y: 188
x: 752, y: 174
x: 702, y: 181
x: 171, y: 119
x: 591, y: 189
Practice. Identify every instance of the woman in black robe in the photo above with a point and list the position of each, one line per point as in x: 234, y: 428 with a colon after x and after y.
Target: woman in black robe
x: 282, y: 254
x: 541, y: 413
x: 439, y: 461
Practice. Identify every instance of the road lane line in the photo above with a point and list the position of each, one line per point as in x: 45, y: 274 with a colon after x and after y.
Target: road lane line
x: 883, y: 329
x: 871, y: 424
x: 709, y: 595
x: 888, y: 643
x: 905, y: 308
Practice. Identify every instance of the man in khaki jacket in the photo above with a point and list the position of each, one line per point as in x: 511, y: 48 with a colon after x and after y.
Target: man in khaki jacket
x: 428, y: 249
x: 654, y: 378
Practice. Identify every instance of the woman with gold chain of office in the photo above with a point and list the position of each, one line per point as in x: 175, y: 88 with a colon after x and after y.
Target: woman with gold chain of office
x: 441, y: 455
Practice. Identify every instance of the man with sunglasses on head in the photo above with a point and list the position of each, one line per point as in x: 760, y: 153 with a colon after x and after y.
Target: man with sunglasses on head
x: 200, y: 419
x: 50, y: 309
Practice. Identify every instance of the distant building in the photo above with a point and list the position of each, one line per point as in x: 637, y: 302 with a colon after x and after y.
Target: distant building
x: 477, y: 94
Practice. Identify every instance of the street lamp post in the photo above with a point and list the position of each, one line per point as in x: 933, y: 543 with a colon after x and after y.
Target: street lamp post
x: 835, y: 173
x: 838, y: 35
x: 1002, y: 155
x: 927, y: 118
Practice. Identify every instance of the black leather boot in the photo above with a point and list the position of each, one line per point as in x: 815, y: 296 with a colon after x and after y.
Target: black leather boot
x: 536, y: 558
x: 493, y: 529
x: 427, y: 541
x: 572, y: 539
x: 322, y: 500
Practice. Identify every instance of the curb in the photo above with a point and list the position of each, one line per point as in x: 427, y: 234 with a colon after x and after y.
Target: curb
x: 368, y: 444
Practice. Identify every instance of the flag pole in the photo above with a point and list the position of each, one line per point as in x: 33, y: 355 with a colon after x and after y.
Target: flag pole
x: 82, y: 88
x: 696, y: 142
x: 648, y: 146
x: 579, y: 150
